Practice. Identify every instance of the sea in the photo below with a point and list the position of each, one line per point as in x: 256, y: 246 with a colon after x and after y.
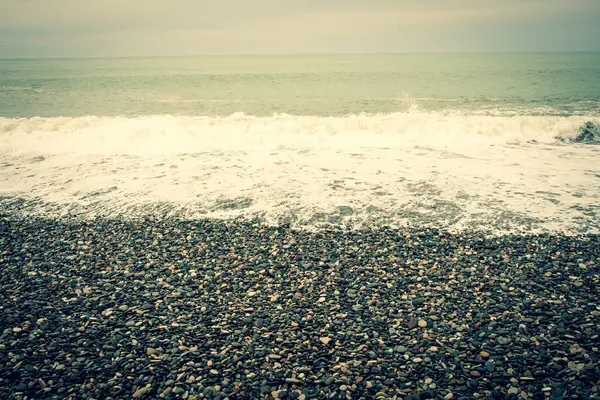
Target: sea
x: 458, y: 142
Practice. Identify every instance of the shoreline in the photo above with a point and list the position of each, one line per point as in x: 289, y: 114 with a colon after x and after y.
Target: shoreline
x: 109, y: 308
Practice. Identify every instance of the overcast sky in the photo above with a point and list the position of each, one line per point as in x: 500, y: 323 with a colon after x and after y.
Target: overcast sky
x: 67, y: 28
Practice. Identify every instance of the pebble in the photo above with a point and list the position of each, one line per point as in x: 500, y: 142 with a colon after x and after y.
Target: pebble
x: 207, y: 309
x: 139, y: 393
x: 21, y: 387
x: 502, y: 340
x: 417, y: 301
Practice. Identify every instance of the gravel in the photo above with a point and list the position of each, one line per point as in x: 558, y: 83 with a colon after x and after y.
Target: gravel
x: 111, y: 309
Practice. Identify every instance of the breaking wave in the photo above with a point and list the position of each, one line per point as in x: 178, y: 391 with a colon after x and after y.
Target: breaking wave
x: 171, y: 134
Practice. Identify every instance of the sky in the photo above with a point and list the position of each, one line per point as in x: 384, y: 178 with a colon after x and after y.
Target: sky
x: 101, y: 28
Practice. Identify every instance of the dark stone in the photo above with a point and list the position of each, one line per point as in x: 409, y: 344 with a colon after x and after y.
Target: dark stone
x: 417, y: 301
x: 168, y: 273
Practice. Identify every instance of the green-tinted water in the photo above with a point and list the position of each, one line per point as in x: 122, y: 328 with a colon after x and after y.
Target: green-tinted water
x: 531, y: 84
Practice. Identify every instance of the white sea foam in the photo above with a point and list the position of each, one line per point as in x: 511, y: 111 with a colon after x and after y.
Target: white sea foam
x: 450, y: 170
x: 173, y: 134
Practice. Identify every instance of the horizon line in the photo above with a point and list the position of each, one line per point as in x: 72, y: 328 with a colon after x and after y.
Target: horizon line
x: 293, y: 54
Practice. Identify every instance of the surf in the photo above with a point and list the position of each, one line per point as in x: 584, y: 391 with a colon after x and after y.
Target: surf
x: 171, y: 134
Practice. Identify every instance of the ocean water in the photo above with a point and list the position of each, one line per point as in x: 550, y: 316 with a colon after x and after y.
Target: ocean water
x: 451, y: 141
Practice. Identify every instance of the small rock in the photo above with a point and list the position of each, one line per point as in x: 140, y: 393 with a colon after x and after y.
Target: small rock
x: 502, y: 340
x: 21, y: 387
x: 417, y: 301
x: 139, y: 393
x: 325, y: 340
x: 573, y: 366
x: 484, y: 354
x: 422, y: 323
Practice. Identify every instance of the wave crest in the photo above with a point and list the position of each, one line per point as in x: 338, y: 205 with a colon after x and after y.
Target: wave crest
x: 239, y: 131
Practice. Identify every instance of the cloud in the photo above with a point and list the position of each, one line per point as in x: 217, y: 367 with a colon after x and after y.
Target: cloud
x: 147, y: 27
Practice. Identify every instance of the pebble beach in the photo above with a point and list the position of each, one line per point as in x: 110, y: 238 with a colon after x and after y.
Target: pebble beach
x: 206, y: 309
x: 303, y: 226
